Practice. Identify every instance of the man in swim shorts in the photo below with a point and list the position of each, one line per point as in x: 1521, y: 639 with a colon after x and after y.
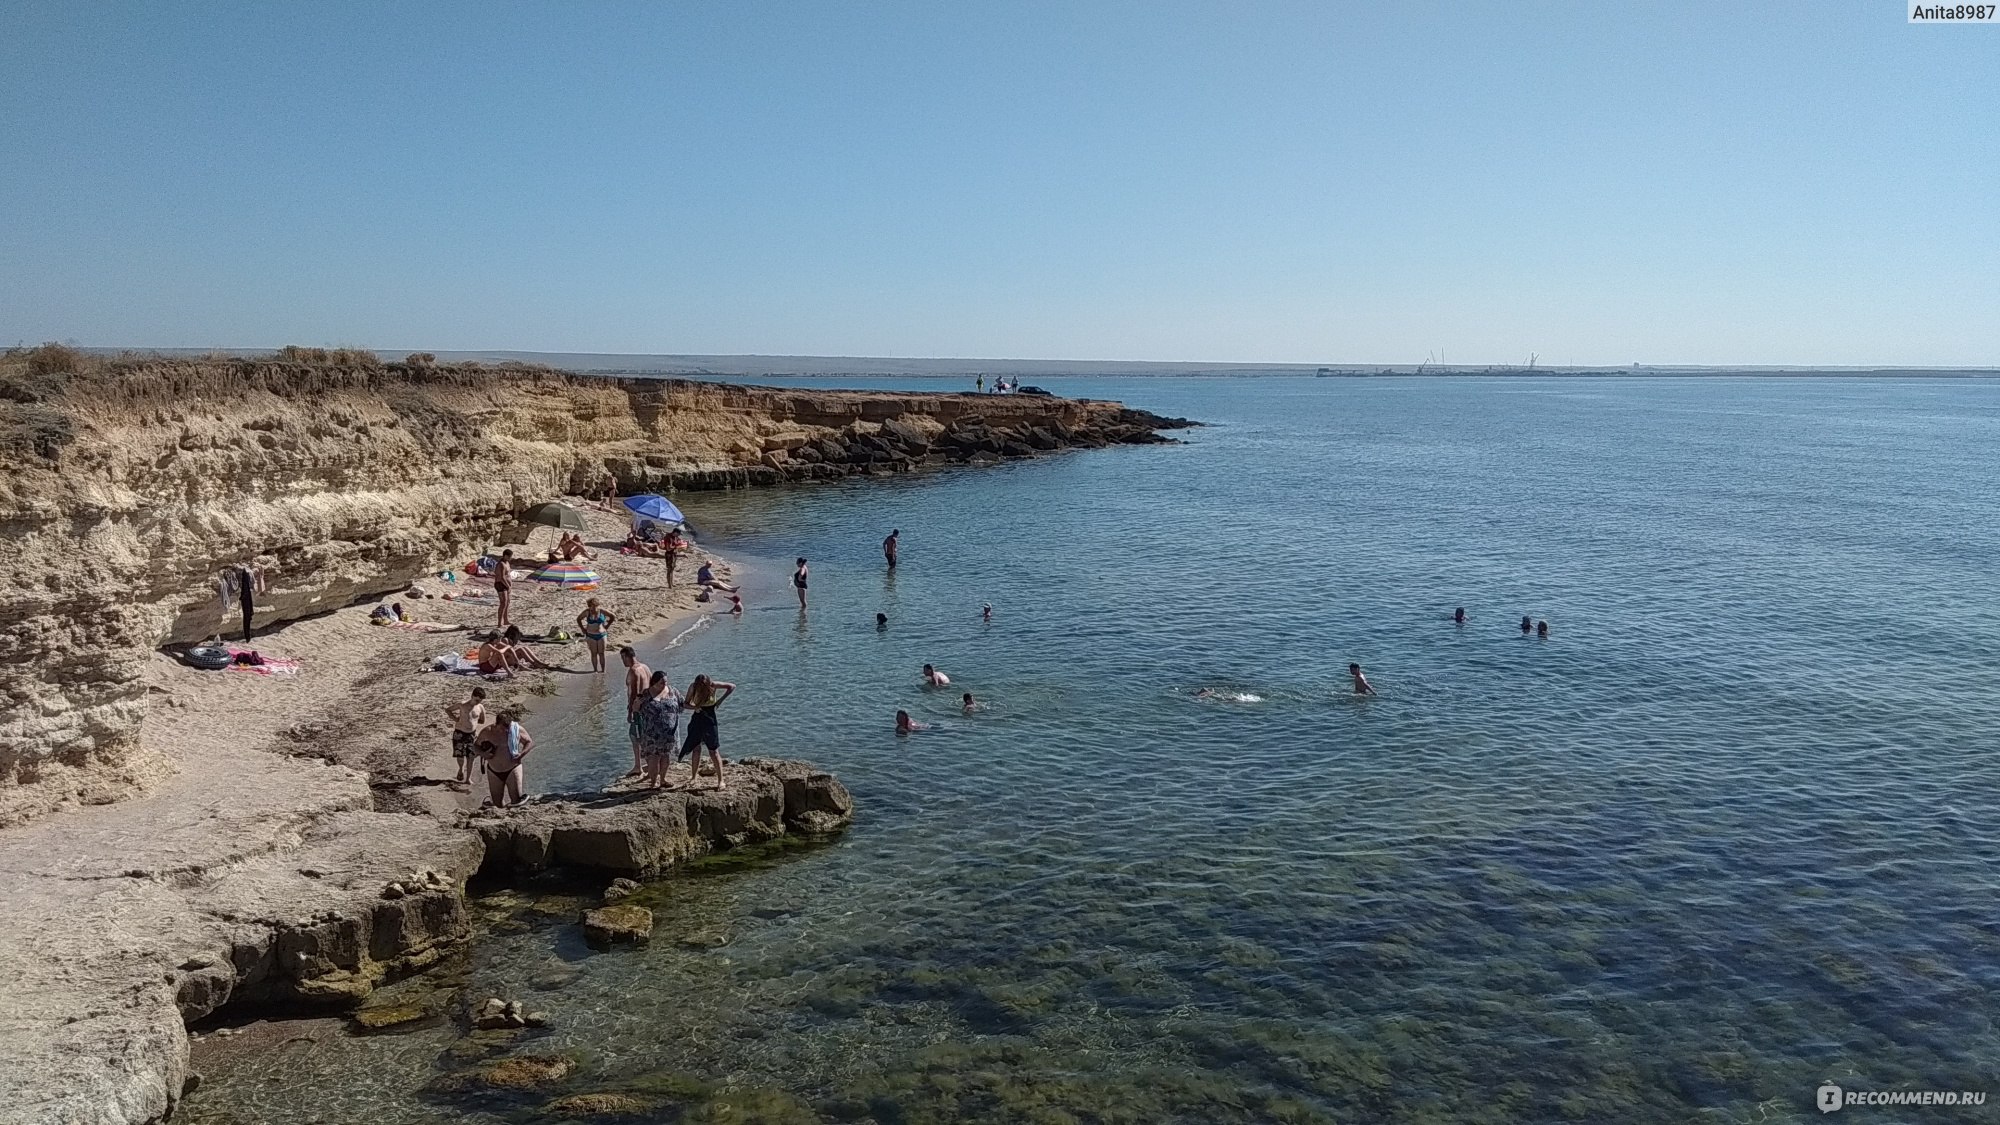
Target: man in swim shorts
x: 638, y: 678
x: 467, y: 716
x: 1361, y: 684
x: 889, y: 548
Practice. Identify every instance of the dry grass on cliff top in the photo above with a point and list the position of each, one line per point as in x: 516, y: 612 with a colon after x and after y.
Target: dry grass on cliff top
x: 49, y: 372
x: 41, y: 388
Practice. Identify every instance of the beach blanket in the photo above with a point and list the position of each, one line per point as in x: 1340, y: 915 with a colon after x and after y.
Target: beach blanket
x: 271, y: 666
x: 455, y: 664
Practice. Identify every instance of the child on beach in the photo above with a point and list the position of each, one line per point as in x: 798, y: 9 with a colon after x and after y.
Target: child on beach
x: 467, y: 716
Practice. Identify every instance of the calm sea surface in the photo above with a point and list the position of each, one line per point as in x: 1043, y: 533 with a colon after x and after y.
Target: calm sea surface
x: 1727, y: 833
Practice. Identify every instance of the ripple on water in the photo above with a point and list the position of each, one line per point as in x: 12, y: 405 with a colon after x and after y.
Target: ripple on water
x: 1719, y: 838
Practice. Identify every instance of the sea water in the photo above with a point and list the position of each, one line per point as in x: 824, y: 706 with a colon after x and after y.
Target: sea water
x: 1727, y: 833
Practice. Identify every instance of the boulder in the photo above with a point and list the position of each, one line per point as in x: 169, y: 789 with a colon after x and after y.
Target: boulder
x: 619, y: 889
x: 648, y: 830
x: 527, y: 1072
x: 608, y: 925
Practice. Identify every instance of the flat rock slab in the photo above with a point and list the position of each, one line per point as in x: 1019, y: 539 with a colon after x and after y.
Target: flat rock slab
x: 642, y: 831
x: 607, y: 925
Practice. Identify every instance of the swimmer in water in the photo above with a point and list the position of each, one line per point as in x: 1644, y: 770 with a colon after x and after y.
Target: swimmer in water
x: 986, y: 613
x: 1527, y: 626
x: 970, y: 703
x: 736, y: 605
x: 881, y: 622
x: 935, y: 678
x: 1361, y: 684
x: 905, y: 724
x: 1542, y: 630
x: 1458, y: 616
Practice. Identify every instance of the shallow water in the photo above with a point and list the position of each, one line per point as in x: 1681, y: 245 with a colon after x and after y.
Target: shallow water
x: 1726, y: 833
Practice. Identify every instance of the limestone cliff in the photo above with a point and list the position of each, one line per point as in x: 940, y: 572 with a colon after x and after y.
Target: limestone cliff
x: 126, y: 484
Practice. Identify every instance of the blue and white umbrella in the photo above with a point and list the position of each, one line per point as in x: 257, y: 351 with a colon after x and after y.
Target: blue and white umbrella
x: 656, y: 508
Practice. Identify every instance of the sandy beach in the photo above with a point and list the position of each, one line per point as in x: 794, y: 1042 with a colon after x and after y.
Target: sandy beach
x: 274, y: 796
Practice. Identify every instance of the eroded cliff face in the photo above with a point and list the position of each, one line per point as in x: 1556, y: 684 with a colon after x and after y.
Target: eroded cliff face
x: 127, y: 485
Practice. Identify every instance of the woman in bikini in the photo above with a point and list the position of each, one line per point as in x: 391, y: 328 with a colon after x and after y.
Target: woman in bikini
x: 503, y: 745
x: 595, y: 625
x: 799, y: 582
x: 703, y: 697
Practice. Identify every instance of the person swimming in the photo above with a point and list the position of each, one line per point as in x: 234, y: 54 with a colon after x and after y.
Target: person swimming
x: 881, y: 622
x: 935, y: 678
x: 1361, y: 684
x: 905, y: 724
x: 1542, y: 629
x: 969, y: 703
x: 1527, y: 626
x: 1458, y: 616
x: 986, y: 612
x: 736, y: 605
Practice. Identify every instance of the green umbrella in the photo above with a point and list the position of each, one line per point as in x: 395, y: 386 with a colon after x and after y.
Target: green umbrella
x: 553, y: 514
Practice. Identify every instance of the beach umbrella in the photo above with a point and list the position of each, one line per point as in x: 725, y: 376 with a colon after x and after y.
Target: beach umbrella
x: 554, y: 515
x: 659, y: 509
x: 568, y: 575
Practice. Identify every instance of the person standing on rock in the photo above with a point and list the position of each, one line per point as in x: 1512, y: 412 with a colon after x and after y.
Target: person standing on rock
x: 637, y: 678
x: 655, y: 717
x: 503, y: 745
x: 595, y: 624
x: 467, y: 716
x: 799, y: 582
x: 703, y: 697
x: 503, y: 584
x: 889, y: 548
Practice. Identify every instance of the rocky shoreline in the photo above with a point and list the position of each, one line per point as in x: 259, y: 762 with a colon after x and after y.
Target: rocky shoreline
x: 175, y: 842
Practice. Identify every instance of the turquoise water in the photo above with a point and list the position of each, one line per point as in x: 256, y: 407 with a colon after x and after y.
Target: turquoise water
x: 1728, y: 832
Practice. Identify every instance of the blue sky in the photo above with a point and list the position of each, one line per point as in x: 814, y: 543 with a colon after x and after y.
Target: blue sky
x: 1326, y: 182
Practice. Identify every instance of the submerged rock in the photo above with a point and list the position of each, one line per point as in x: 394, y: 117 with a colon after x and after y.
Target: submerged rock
x: 620, y: 889
x: 380, y: 1019
x: 527, y: 1072
x: 607, y: 925
x: 599, y: 1105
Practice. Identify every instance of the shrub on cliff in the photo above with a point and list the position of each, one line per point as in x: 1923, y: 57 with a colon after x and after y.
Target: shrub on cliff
x: 334, y: 357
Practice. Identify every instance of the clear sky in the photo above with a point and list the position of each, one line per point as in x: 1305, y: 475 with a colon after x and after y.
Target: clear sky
x: 1602, y: 183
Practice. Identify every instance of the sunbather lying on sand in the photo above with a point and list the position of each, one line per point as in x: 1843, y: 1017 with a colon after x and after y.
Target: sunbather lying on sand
x: 524, y: 657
